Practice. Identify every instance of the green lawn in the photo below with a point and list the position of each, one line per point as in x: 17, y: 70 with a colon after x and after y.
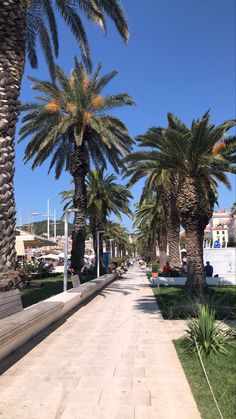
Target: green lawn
x: 175, y: 303
x: 52, y: 286
x: 221, y: 371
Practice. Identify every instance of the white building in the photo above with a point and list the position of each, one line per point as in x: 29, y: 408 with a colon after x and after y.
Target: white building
x: 218, y: 228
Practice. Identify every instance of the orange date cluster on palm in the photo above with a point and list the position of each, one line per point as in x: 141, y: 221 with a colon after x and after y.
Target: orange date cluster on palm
x: 219, y: 146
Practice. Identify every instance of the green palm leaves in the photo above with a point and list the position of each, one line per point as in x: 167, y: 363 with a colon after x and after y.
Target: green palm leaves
x: 71, y: 113
x: 105, y: 196
x: 191, y: 150
x: 70, y: 124
x: 183, y: 166
x: 42, y: 26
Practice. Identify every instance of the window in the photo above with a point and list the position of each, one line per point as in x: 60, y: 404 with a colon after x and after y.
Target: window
x: 223, y: 232
x: 217, y: 232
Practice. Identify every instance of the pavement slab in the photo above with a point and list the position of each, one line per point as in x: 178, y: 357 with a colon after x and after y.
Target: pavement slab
x: 112, y: 359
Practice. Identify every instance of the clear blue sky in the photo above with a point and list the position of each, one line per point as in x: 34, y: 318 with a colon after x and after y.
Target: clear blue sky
x: 180, y: 59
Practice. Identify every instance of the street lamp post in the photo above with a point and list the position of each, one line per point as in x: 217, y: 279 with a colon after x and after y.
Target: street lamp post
x: 66, y: 218
x: 98, y: 252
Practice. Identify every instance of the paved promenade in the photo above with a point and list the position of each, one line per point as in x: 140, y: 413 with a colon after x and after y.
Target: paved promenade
x: 112, y: 359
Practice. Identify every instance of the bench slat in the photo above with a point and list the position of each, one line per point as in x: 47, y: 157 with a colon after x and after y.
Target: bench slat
x: 10, y: 303
x: 7, y: 294
x: 17, y: 322
x: 9, y: 300
x: 10, y: 311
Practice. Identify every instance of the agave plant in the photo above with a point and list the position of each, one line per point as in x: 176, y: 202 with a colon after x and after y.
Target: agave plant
x: 204, y: 334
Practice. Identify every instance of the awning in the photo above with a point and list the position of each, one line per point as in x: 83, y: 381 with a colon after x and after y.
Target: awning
x: 24, y: 240
x: 50, y: 256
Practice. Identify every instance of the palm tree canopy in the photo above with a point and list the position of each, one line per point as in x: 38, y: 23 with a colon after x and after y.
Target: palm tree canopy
x: 199, y: 151
x: 104, y: 195
x: 149, y: 212
x: 42, y: 26
x: 118, y: 233
x: 148, y: 217
x: 73, y: 113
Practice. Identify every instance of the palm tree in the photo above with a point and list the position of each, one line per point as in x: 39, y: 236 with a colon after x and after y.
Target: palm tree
x: 23, y: 23
x: 104, y: 197
x: 199, y: 157
x: 70, y: 123
x: 118, y: 238
x: 151, y: 222
x: 164, y: 185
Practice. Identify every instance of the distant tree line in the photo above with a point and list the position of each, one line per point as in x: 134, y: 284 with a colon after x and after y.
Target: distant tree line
x: 40, y: 228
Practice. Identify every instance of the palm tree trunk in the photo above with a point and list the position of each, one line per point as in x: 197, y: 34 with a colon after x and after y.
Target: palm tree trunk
x: 195, y: 211
x: 194, y: 244
x: 12, y: 61
x: 152, y: 252
x: 162, y: 244
x: 173, y: 223
x: 173, y: 228
x: 79, y: 169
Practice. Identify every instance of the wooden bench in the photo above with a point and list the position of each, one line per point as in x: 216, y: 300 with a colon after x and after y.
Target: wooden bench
x: 10, y: 303
x: 22, y: 325
x: 18, y: 325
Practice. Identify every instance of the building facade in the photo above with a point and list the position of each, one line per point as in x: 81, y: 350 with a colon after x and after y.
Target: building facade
x: 220, y: 229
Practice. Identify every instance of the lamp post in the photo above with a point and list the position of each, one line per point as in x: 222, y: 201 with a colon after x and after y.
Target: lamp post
x: 98, y: 252
x: 66, y: 218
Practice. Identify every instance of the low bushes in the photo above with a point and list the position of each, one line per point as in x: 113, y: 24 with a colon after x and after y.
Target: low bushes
x: 176, y: 303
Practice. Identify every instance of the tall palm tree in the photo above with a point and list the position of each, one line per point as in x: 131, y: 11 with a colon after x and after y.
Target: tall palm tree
x: 104, y: 197
x: 70, y: 123
x: 23, y: 24
x: 200, y: 157
x: 117, y: 238
x: 151, y: 222
x: 164, y: 185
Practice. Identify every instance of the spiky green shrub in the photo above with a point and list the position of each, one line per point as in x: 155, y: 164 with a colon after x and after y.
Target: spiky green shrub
x: 206, y: 334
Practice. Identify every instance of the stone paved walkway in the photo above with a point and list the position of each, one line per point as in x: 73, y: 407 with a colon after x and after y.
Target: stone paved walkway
x: 112, y: 359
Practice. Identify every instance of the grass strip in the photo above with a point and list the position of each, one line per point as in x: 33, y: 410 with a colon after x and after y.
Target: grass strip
x: 221, y: 370
x: 175, y: 303
x: 51, y: 286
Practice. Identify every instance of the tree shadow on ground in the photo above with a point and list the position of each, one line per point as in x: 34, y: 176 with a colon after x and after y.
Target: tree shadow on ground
x: 147, y: 304
x: 116, y: 287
